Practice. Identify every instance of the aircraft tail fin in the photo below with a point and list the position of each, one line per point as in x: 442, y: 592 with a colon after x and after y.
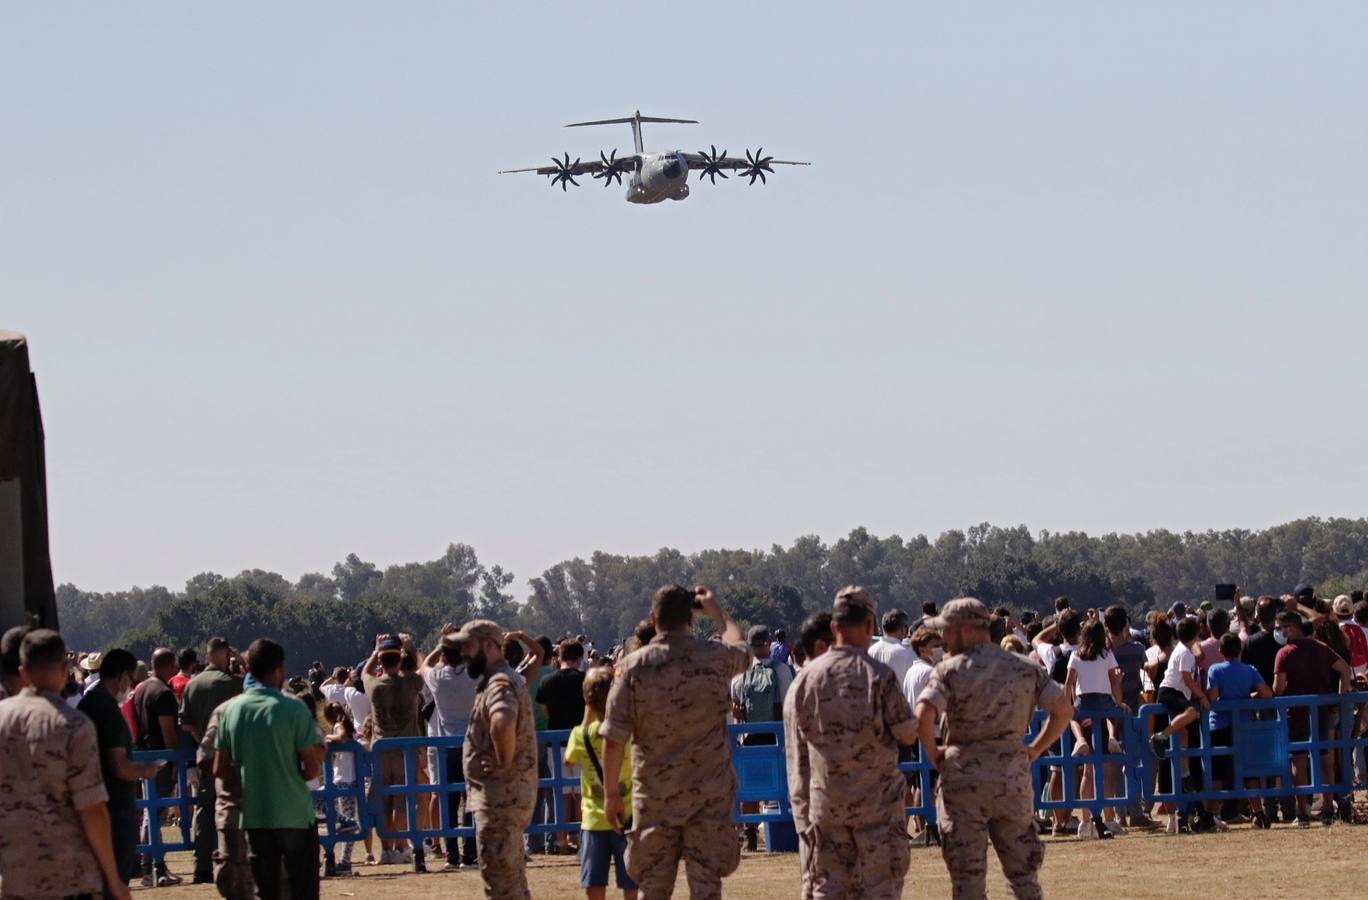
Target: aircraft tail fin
x: 635, y: 121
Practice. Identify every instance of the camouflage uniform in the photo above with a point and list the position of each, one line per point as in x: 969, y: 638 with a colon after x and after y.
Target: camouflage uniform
x: 501, y: 799
x: 670, y: 699
x: 49, y: 769
x: 988, y: 696
x: 232, y: 869
x: 842, y: 722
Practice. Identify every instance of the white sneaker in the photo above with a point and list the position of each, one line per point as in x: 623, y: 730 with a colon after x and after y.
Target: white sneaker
x: 387, y: 857
x: 1171, y: 826
x: 1217, y: 824
x: 1115, y: 828
x: 1087, y: 831
x: 404, y: 856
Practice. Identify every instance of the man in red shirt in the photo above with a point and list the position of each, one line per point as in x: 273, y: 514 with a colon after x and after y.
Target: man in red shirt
x: 188, y: 661
x: 1306, y: 666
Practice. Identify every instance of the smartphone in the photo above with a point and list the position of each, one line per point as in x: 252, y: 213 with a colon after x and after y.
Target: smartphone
x: 1225, y: 591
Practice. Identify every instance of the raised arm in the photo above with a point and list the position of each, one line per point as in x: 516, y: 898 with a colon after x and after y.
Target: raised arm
x: 707, y: 604
x: 535, y: 656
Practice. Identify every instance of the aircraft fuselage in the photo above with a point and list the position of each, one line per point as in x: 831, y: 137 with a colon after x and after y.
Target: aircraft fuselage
x: 662, y: 176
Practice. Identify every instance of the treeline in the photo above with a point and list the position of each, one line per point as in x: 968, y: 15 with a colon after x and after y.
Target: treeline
x: 334, y: 617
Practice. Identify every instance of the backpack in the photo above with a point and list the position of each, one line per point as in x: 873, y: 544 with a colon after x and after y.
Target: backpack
x: 1059, y: 672
x: 760, y: 693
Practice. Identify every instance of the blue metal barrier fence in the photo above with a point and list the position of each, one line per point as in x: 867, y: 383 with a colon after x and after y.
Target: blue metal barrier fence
x: 1266, y: 737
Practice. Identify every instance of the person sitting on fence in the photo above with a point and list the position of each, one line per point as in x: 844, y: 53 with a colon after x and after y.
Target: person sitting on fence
x: 1181, y: 696
x: 601, y: 845
x: 1093, y: 684
x: 1307, y: 666
x: 1231, y: 680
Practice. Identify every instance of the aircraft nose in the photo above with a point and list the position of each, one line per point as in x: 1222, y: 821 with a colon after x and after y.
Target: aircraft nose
x: 673, y: 169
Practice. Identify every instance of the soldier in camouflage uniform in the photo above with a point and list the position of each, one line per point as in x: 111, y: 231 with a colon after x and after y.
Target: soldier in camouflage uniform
x: 232, y: 869
x: 500, y: 761
x: 54, y: 826
x: 843, y: 720
x: 670, y: 699
x: 988, y: 696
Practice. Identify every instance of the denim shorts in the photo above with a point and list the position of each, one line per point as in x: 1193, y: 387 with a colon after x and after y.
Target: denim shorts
x: 599, y: 850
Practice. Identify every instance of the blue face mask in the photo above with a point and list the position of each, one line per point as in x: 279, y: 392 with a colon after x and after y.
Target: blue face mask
x: 1279, y: 636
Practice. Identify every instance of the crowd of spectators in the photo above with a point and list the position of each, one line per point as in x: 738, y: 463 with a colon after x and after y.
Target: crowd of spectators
x: 261, y: 736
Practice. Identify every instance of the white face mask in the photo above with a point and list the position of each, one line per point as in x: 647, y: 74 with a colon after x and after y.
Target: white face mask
x: 937, y: 654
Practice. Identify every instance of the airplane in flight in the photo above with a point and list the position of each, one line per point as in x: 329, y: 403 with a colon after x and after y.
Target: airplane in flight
x: 655, y: 176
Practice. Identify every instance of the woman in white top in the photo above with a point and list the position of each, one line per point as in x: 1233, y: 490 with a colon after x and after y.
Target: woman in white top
x: 1094, y: 683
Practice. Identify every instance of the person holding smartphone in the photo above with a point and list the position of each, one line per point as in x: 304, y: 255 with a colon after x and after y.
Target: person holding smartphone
x: 671, y: 699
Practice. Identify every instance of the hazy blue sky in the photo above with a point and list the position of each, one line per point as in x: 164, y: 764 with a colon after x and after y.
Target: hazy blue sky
x: 1077, y: 265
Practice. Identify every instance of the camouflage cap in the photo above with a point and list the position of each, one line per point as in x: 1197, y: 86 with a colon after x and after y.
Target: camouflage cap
x: 478, y: 630
x: 964, y: 611
x: 854, y: 595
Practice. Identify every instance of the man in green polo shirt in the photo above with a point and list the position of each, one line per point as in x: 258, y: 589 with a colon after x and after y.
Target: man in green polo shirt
x: 275, y: 745
x: 205, y: 692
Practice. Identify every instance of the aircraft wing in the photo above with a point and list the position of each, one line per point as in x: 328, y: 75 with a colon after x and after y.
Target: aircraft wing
x: 700, y: 163
x: 578, y: 167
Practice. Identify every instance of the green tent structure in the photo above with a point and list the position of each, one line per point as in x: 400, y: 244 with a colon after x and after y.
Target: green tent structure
x: 26, y: 595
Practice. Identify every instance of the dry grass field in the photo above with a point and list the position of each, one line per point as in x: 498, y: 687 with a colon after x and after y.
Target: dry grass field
x: 1326, y: 864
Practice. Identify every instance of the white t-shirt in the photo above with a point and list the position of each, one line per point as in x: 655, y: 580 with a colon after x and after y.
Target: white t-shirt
x: 1094, y: 675
x: 1151, y: 656
x: 892, y: 653
x: 359, y: 704
x: 916, y: 680
x: 1180, y: 660
x: 1048, y: 653
x: 344, y: 767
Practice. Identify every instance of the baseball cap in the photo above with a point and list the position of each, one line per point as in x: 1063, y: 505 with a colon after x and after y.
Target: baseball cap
x: 964, y: 611
x: 758, y: 633
x: 1303, y: 592
x: 391, y: 643
x: 856, y: 596
x: 478, y: 630
x: 1180, y: 609
x: 1343, y: 606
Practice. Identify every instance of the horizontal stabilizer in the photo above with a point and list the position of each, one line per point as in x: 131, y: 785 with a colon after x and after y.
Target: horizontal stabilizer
x: 631, y: 119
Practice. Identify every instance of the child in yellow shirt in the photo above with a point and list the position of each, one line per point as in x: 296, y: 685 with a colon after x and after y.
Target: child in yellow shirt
x: 600, y: 844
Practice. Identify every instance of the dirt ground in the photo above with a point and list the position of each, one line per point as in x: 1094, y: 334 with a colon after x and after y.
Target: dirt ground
x: 1136, y: 867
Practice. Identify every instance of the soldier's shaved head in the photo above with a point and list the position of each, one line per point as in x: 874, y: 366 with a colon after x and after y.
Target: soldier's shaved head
x: 672, y: 608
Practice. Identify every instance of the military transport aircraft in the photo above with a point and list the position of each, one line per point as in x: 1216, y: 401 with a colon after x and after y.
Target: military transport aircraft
x: 655, y: 176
